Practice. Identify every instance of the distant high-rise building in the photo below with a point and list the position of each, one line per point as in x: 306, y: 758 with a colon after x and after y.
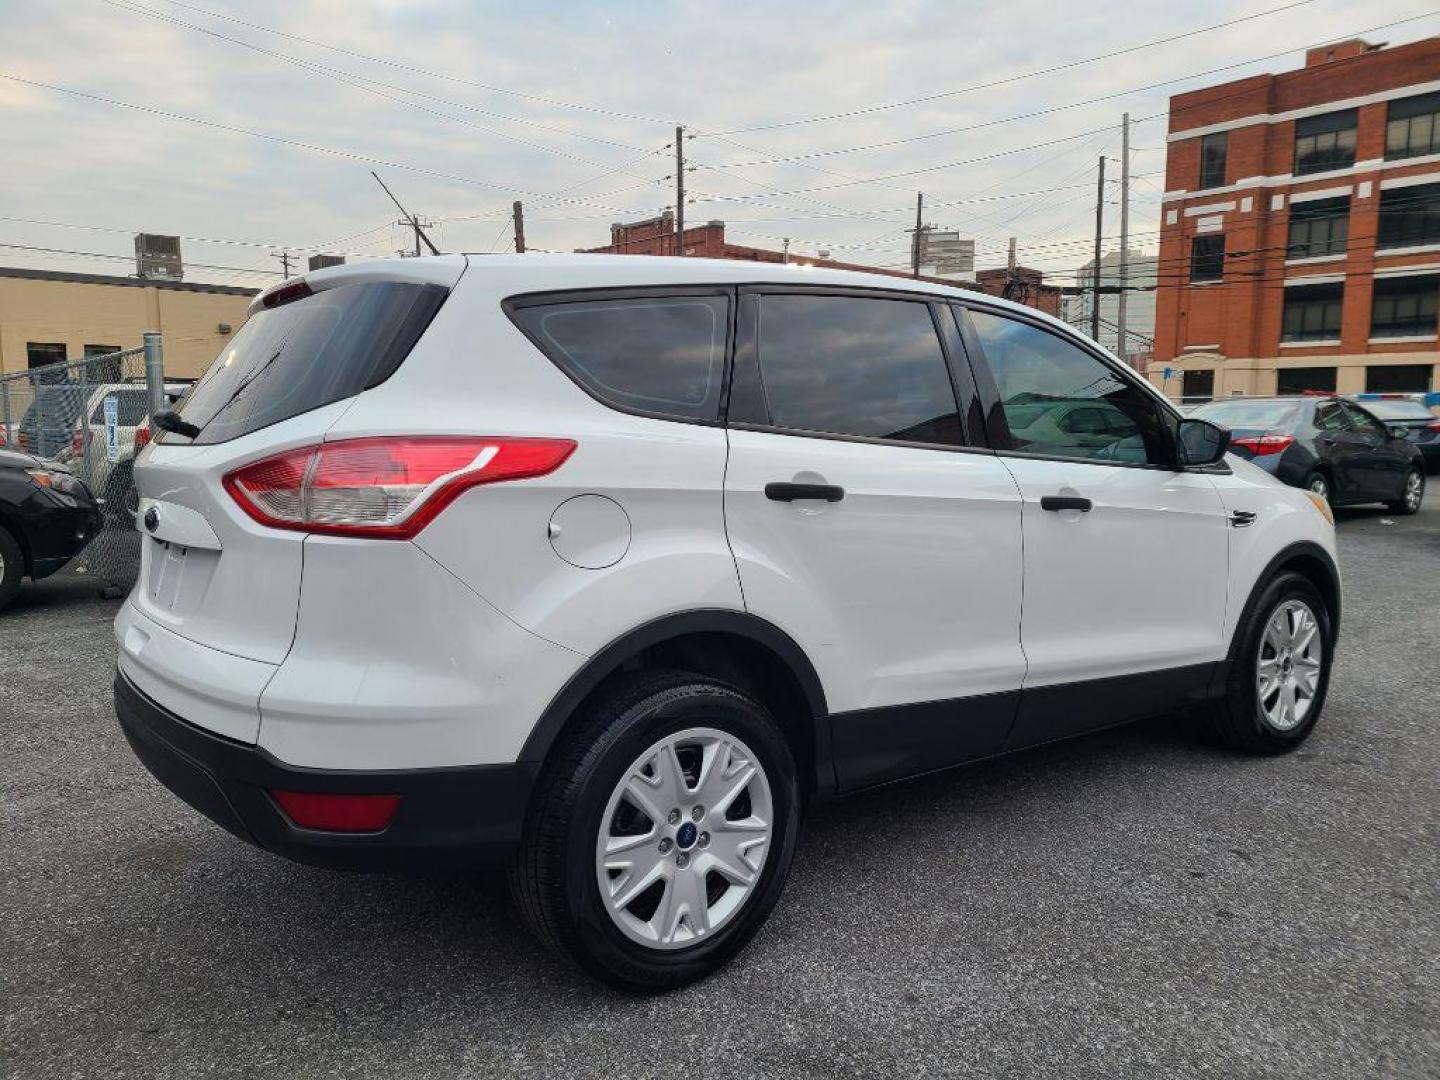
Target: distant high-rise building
x: 1141, y: 277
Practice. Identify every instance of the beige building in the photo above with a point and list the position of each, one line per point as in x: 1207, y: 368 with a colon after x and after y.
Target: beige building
x: 47, y: 316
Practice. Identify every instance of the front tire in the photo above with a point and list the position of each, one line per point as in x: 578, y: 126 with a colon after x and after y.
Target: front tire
x: 661, y: 833
x: 1411, y: 495
x: 1279, y: 670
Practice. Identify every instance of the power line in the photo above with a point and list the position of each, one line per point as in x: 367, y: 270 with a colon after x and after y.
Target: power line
x: 402, y: 66
x: 823, y: 118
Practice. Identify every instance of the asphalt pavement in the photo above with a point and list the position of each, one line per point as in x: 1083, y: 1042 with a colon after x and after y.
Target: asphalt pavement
x: 1129, y: 904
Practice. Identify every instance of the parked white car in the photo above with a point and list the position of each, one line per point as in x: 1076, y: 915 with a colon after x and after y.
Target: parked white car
x: 611, y: 566
x: 89, y: 450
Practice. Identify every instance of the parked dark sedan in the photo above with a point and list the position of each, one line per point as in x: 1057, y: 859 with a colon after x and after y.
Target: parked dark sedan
x: 46, y: 516
x: 1421, y: 426
x: 1334, y: 447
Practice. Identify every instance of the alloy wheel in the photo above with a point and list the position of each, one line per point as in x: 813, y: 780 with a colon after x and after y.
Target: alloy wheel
x: 1289, y: 665
x: 1320, y: 487
x: 684, y: 838
x: 1414, y: 491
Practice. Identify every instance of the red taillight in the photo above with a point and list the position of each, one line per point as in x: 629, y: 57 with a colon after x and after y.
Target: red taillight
x: 1261, y: 445
x: 80, y: 440
x: 338, y: 813
x: 23, y: 441
x: 142, y: 435
x: 1434, y: 425
x: 389, y: 487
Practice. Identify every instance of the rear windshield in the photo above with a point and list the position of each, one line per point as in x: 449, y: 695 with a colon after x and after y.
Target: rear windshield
x: 290, y: 359
x: 1399, y: 410
x: 1248, y: 414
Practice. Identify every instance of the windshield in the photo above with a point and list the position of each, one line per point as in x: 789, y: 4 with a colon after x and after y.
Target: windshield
x: 290, y: 359
x: 1399, y: 410
x: 1250, y: 414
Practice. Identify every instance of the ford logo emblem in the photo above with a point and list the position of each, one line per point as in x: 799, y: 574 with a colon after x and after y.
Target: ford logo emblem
x: 152, y: 519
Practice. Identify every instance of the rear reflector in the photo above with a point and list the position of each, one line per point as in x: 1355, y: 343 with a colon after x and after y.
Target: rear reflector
x: 338, y: 813
x: 387, y: 488
x: 1260, y: 445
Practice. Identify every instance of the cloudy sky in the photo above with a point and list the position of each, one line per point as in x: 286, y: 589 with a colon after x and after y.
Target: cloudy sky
x: 250, y: 126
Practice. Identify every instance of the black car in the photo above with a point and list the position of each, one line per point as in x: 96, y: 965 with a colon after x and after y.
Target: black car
x: 46, y: 516
x: 1421, y: 426
x: 1334, y: 447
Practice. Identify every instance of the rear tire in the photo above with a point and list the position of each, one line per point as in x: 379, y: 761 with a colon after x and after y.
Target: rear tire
x: 1319, y: 483
x: 12, y: 567
x: 1282, y: 655
x: 581, y: 854
x: 1411, y: 495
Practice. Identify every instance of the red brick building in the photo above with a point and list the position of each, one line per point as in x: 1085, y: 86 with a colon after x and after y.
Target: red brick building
x: 1300, y: 233
x: 656, y: 236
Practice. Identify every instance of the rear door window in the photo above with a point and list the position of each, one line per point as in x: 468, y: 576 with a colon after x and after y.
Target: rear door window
x: 658, y: 355
x: 850, y: 365
x: 310, y: 352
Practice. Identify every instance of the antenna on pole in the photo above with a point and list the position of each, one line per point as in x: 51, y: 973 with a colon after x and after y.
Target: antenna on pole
x: 409, y: 217
x: 1095, y: 279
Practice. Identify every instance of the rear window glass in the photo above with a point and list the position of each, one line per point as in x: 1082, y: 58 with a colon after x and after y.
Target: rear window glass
x: 131, y: 406
x: 1249, y: 413
x: 1399, y: 410
x: 290, y: 359
x: 663, y: 354
x: 856, y: 366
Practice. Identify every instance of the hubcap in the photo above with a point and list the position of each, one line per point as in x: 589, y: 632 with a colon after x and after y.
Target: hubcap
x: 1320, y: 488
x: 1414, y: 489
x: 1288, y: 668
x: 683, y: 839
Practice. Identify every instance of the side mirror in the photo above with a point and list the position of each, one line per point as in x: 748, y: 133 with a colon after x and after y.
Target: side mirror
x: 1399, y: 431
x: 1200, y: 443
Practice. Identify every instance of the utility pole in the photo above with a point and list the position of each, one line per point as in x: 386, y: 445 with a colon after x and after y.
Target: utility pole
x: 785, y: 251
x: 284, y: 257
x: 679, y: 190
x: 410, y: 219
x: 517, y: 209
x: 1121, y: 346
x: 1095, y: 276
x: 1010, y: 262
x: 915, y: 246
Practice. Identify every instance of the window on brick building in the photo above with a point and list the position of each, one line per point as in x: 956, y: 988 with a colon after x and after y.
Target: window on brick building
x: 1397, y: 379
x: 1212, y: 160
x: 1297, y: 380
x: 1325, y: 142
x: 1405, y: 306
x: 1413, y: 127
x: 1410, y: 216
x: 1321, y: 227
x: 1197, y: 386
x: 1207, y: 257
x: 1312, y: 312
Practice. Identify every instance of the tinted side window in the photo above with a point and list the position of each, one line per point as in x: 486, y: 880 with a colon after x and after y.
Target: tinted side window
x: 662, y: 354
x: 1060, y: 401
x: 1331, y: 418
x: 131, y: 406
x: 1362, y: 421
x: 855, y: 366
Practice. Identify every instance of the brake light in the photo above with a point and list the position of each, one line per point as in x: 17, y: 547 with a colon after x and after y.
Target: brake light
x: 338, y: 813
x: 1434, y: 425
x: 80, y: 441
x: 284, y: 294
x: 23, y: 441
x: 142, y: 435
x: 387, y: 487
x: 1261, y: 445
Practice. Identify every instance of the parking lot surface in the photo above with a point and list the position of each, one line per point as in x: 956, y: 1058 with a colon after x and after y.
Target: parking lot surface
x: 1130, y: 904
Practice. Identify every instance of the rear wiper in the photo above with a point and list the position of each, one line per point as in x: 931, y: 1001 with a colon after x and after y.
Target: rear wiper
x: 169, y: 420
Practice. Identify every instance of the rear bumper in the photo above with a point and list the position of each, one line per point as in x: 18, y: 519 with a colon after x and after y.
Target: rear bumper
x: 446, y: 816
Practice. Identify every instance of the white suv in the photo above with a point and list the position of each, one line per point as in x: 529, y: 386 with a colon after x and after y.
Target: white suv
x: 613, y: 565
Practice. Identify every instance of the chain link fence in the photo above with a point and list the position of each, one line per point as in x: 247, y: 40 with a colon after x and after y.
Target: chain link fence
x: 85, y: 414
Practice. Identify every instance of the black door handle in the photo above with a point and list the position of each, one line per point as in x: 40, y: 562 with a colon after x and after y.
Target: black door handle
x: 1065, y: 502
x: 791, y: 492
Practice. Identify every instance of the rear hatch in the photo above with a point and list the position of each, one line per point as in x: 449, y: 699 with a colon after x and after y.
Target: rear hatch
x: 209, y: 572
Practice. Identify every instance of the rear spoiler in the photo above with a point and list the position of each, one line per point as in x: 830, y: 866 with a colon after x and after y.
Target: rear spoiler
x: 443, y: 270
